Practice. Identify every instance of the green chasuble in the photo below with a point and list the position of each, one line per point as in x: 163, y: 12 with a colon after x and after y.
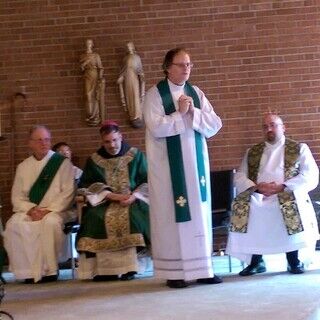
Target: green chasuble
x: 287, y: 202
x: 43, y: 182
x: 110, y: 226
x: 175, y: 156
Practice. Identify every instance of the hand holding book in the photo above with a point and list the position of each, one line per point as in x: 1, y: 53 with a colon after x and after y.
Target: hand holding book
x: 99, y: 192
x: 96, y: 193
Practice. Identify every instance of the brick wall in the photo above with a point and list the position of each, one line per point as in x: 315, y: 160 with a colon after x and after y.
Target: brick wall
x: 249, y: 56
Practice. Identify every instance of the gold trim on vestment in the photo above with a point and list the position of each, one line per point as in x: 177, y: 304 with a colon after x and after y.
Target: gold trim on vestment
x: 116, y: 219
x: 240, y: 212
x: 110, y: 244
x: 287, y: 202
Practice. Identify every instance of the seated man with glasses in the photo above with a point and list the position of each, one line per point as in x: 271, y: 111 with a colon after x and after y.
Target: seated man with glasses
x: 42, y: 192
x: 273, y: 212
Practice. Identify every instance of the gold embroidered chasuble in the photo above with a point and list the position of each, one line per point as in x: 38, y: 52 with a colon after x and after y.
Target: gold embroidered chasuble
x: 116, y: 217
x: 287, y: 201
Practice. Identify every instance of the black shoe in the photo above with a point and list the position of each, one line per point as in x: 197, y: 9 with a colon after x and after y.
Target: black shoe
x: 67, y: 264
x: 297, y: 269
x: 214, y: 280
x: 253, y: 269
x: 105, y: 278
x: 177, y: 284
x: 128, y: 276
x: 29, y: 281
x: 49, y: 278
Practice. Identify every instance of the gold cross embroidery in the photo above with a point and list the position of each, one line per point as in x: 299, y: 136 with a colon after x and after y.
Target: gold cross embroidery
x: 181, y: 201
x: 203, y: 181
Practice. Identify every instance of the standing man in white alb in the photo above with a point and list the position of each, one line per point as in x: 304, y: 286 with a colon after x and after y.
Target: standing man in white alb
x: 273, y: 212
x: 179, y: 118
x: 42, y: 192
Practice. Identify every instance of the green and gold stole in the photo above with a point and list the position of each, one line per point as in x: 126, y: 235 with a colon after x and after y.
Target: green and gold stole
x: 287, y: 201
x: 43, y: 182
x: 175, y: 156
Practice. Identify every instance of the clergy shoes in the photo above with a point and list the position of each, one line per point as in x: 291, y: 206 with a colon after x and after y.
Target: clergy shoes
x: 297, y: 269
x: 214, y: 280
x: 99, y: 278
x: 253, y: 269
x: 44, y: 279
x: 51, y: 278
x: 29, y: 281
x: 128, y: 276
x: 177, y: 284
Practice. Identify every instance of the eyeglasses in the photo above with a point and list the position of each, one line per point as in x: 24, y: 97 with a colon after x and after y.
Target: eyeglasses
x: 45, y: 140
x: 183, y: 65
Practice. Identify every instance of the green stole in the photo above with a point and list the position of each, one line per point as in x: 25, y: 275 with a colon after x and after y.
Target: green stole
x: 175, y: 155
x: 287, y: 201
x: 43, y: 182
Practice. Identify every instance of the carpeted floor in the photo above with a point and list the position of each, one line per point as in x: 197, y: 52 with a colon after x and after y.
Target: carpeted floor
x: 272, y: 295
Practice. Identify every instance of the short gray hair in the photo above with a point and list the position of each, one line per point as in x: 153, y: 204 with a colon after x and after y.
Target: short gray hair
x: 36, y: 127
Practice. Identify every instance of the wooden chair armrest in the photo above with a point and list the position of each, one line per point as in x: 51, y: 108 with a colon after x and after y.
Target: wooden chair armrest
x: 80, y: 203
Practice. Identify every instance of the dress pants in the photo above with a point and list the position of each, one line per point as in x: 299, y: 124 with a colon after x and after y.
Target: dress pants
x: 292, y: 258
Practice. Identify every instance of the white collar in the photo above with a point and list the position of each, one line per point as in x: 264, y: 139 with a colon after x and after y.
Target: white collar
x: 175, y: 87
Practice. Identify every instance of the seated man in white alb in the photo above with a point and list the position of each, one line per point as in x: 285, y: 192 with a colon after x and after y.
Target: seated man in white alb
x: 42, y: 192
x: 273, y: 212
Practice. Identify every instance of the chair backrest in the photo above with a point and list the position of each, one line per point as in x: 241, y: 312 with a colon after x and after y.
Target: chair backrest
x: 222, y: 190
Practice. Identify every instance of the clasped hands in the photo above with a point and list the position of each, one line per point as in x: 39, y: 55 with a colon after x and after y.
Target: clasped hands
x: 269, y: 188
x: 123, y: 199
x: 185, y: 104
x: 37, y: 213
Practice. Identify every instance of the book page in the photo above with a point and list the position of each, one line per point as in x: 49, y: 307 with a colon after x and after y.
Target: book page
x: 97, y: 198
x: 142, y: 193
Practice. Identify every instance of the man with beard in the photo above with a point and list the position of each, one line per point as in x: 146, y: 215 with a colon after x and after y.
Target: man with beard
x: 112, y: 229
x: 273, y: 212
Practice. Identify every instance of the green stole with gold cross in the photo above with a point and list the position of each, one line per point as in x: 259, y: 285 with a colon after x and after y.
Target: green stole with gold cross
x: 43, y: 182
x: 175, y: 156
x: 287, y: 201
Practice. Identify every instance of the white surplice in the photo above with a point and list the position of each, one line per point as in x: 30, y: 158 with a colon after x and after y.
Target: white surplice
x: 267, y: 232
x: 179, y: 250
x: 34, y: 246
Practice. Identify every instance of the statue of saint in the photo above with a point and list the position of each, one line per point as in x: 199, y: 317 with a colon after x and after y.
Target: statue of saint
x: 94, y: 85
x: 132, y: 86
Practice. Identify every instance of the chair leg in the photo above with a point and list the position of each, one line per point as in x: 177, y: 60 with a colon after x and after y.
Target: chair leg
x: 230, y: 263
x: 73, y: 263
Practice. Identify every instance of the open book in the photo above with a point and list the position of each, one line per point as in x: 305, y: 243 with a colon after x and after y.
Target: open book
x: 96, y: 193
